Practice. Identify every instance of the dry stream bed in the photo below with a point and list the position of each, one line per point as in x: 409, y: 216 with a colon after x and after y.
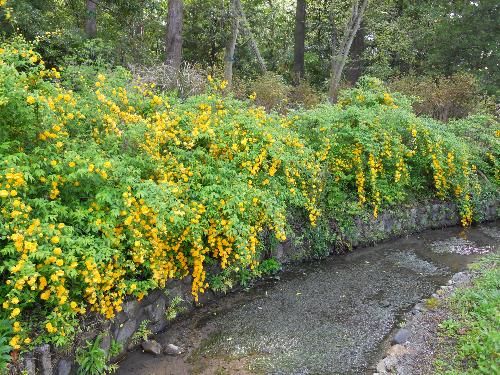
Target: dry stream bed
x: 333, y: 316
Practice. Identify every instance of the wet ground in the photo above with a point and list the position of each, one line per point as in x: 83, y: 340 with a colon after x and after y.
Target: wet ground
x: 326, y: 317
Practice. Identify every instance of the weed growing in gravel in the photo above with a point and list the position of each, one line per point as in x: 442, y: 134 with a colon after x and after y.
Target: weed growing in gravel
x: 474, y: 328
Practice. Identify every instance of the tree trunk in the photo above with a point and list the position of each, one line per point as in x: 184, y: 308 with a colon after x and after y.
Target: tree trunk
x: 248, y: 31
x: 299, y: 47
x: 339, y: 56
x: 174, y: 33
x: 90, y: 19
x: 354, y: 68
x: 231, y: 44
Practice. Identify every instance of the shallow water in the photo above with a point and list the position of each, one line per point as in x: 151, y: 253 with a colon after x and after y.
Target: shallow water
x: 324, y: 317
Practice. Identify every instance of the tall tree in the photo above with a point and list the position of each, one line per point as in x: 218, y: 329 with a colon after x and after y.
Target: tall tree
x: 340, y: 51
x: 248, y: 32
x: 91, y: 19
x: 174, y: 33
x: 231, y: 43
x: 299, y: 46
x: 354, y: 68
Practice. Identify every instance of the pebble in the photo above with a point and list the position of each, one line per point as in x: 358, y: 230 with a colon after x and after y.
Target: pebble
x: 152, y: 347
x: 401, y: 336
x: 172, y: 349
x: 420, y: 307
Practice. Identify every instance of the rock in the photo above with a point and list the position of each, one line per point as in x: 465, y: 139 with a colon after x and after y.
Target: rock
x: 401, y: 336
x: 130, y: 308
x: 64, y: 367
x: 29, y: 365
x: 45, y: 359
x: 459, y: 278
x: 172, y: 349
x: 106, y: 342
x: 386, y: 365
x: 397, y: 350
x: 156, y: 311
x: 152, y: 347
x: 420, y: 307
x: 381, y: 367
x: 125, y: 332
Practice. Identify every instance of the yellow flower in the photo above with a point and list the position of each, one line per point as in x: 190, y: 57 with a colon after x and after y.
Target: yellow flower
x: 107, y: 164
x: 16, y: 327
x: 54, y: 239
x: 45, y: 295
x: 4, y: 193
x: 50, y: 328
x: 53, y: 163
x: 30, y: 100
x: 15, y: 312
x: 14, y: 342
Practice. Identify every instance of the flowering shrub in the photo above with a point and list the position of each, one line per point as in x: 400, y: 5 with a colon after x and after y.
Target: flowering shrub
x: 379, y: 153
x: 109, y: 189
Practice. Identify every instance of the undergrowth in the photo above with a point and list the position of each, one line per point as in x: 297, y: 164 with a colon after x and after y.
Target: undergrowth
x: 473, y: 329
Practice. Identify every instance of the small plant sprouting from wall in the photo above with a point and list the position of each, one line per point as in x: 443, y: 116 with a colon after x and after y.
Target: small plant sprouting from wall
x: 92, y: 359
x: 175, y: 309
x: 142, y: 334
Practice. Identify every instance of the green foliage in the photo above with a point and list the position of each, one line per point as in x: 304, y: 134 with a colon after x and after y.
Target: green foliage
x: 271, y: 91
x: 432, y: 303
x: 5, y: 348
x: 92, y: 359
x: 442, y: 98
x: 474, y: 326
x: 393, y: 156
x: 109, y: 189
x: 222, y: 282
x: 173, y: 310
x: 464, y: 36
x: 304, y: 96
x: 142, y: 334
x: 269, y: 266
x: 115, y: 348
x: 450, y: 327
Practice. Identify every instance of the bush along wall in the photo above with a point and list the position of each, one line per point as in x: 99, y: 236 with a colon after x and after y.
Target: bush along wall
x: 109, y: 188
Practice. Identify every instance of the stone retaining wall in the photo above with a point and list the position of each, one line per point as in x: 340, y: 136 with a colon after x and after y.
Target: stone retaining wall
x: 390, y: 224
